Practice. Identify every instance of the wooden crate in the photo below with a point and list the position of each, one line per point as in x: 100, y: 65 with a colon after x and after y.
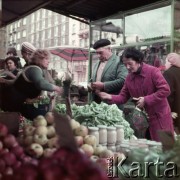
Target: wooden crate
x: 11, y: 120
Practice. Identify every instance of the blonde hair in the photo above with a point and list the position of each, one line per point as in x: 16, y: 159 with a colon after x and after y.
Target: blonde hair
x: 39, y: 55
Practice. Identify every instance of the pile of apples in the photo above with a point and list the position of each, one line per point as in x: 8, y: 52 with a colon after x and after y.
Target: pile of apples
x: 40, y: 139
x: 88, y: 145
x: 12, y: 155
x: 64, y: 164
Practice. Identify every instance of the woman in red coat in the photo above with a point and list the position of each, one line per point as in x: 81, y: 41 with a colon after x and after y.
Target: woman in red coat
x: 147, y: 84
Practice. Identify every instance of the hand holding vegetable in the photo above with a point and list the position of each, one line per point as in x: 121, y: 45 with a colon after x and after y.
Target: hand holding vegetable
x: 97, y: 85
x: 104, y: 96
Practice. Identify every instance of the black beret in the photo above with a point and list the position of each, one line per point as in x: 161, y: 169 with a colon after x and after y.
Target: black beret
x: 101, y: 43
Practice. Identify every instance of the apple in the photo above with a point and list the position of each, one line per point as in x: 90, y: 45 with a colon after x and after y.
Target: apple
x: 10, y: 141
x: 18, y: 151
x: 9, y: 158
x: 106, y: 153
x: 81, y: 131
x: 29, y: 130
x: 1, y: 145
x: 88, y: 149
x: 28, y: 140
x: 90, y: 139
x: 3, y: 130
x: 53, y: 142
x: 8, y: 171
x: 41, y: 130
x: 49, y: 118
x: 79, y: 140
x: 51, y: 132
x: 40, y: 139
x: 35, y: 150
x: 48, y: 152
x: 2, y: 165
x: 74, y: 124
x: 99, y: 149
x: 40, y: 121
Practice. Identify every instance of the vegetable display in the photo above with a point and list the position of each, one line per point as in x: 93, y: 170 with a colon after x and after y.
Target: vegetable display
x: 98, y: 114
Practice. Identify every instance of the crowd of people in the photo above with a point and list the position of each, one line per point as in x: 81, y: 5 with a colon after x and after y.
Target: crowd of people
x: 115, y: 80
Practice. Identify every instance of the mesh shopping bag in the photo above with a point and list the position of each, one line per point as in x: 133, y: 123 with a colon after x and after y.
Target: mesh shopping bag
x: 138, y: 121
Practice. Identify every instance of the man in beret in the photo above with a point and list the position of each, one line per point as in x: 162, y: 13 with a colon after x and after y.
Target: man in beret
x: 109, y: 73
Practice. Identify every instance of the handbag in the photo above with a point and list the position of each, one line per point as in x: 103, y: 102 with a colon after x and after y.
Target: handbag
x: 138, y: 120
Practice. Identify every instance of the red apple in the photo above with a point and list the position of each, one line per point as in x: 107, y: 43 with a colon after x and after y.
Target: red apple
x: 88, y: 149
x: 2, y: 165
x: 79, y: 140
x: 3, y: 130
x: 1, y: 145
x: 28, y: 140
x: 9, y: 158
x: 18, y: 151
x: 10, y: 141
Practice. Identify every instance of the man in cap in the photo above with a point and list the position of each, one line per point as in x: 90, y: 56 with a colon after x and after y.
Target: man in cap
x: 26, y: 50
x: 109, y: 72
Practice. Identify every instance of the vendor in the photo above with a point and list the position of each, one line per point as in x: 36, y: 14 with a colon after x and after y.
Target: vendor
x: 31, y: 82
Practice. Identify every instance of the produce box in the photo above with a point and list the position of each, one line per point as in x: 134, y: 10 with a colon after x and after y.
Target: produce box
x: 11, y: 120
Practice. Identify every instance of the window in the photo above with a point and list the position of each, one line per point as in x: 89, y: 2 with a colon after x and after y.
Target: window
x: 18, y: 35
x: 43, y: 13
x: 19, y: 23
x: 32, y: 18
x: 56, y: 18
x: 37, y: 26
x: 49, y: 33
x: 56, y: 41
x: 24, y: 21
x: 24, y: 33
x: 63, y: 19
x: 43, y: 24
x: 63, y: 41
x: 74, y: 28
x: 63, y: 29
x: 43, y: 35
x: 18, y: 47
x: 56, y: 31
x: 37, y: 15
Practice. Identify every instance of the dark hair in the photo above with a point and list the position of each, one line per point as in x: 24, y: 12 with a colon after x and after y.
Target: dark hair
x: 12, y: 58
x: 12, y: 50
x: 133, y: 53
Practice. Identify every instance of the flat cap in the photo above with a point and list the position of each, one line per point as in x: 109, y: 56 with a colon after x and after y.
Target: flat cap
x: 27, y: 47
x: 101, y: 43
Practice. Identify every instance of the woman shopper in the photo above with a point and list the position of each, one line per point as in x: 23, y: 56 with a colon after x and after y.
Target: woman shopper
x: 172, y: 75
x: 11, y: 63
x: 147, y: 84
x: 31, y: 82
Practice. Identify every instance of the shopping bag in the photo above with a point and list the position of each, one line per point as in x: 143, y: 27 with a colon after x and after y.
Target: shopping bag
x: 138, y: 120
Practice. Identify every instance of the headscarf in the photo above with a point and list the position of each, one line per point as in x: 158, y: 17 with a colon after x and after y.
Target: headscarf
x: 172, y: 59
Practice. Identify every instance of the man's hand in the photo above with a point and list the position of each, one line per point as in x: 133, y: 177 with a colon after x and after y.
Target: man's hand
x: 104, y: 96
x: 140, y: 102
x: 97, y: 85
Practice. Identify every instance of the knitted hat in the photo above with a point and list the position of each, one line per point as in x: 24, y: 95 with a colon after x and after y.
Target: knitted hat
x: 27, y: 47
x: 101, y: 43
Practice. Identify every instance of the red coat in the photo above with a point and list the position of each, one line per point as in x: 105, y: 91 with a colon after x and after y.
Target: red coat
x: 151, y: 85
